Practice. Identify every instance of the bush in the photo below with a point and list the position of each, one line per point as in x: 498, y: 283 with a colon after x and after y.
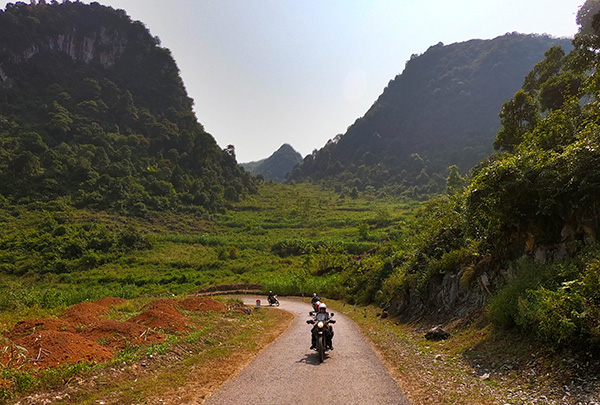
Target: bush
x: 503, y: 307
x: 556, y: 317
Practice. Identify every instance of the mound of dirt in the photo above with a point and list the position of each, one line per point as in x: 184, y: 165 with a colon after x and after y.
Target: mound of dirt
x: 82, y: 333
x: 29, y: 326
x: 110, y: 301
x: 201, y: 304
x: 85, y: 313
x: 50, y: 348
x: 161, y: 314
x: 116, y: 335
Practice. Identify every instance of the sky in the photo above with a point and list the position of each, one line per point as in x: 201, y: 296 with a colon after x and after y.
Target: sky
x: 267, y: 72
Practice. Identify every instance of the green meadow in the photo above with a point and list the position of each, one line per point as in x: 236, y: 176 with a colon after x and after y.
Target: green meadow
x: 292, y: 239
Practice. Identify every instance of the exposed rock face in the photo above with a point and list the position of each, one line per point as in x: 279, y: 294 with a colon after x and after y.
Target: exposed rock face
x: 86, y: 49
x: 454, y: 294
x: 468, y: 288
x: 3, y: 77
x: 92, y: 36
x: 104, y: 47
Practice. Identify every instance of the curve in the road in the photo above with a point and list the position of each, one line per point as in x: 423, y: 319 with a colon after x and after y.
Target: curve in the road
x: 288, y: 372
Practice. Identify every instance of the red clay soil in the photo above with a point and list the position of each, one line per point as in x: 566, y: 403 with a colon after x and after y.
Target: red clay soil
x: 85, y: 313
x: 83, y: 333
x: 50, y: 348
x: 161, y: 314
x: 29, y: 326
x: 117, y: 335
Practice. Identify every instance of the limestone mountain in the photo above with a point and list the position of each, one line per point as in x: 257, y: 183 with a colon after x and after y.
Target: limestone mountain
x: 441, y: 111
x: 93, y: 110
x: 276, y: 166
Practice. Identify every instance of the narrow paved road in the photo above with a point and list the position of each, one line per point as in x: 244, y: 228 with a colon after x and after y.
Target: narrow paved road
x: 288, y: 372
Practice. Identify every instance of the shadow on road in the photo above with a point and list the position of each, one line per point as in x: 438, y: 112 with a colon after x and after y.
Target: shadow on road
x: 311, y: 358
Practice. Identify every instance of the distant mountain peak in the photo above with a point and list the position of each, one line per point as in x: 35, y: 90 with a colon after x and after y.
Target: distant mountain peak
x: 276, y: 166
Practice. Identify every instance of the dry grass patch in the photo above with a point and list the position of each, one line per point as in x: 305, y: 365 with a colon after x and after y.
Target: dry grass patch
x: 185, y: 368
x: 477, y: 364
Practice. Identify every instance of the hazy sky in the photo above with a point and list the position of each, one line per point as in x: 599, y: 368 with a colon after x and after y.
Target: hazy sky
x: 267, y: 72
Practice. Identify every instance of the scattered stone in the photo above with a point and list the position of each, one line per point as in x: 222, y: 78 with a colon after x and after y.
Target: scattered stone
x: 485, y: 377
x: 437, y: 333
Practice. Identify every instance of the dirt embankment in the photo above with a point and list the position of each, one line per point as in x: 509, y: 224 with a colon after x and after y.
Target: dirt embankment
x: 84, y: 332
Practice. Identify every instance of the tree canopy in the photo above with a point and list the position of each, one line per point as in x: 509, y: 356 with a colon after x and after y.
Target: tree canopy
x: 94, y: 110
x: 441, y: 111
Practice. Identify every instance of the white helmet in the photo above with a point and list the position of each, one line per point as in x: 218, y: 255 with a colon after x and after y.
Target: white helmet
x: 322, y: 306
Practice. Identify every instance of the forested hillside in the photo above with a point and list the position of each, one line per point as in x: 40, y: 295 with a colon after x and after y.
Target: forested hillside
x: 522, y: 237
x: 441, y: 111
x: 276, y: 166
x: 93, y: 111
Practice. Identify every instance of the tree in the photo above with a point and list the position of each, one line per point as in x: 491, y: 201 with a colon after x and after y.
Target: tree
x: 60, y: 120
x: 518, y: 116
x: 454, y: 183
x: 557, y: 89
x: 231, y: 194
x: 544, y: 70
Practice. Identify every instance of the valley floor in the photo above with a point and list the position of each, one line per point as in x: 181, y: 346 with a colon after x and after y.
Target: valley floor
x: 476, y: 365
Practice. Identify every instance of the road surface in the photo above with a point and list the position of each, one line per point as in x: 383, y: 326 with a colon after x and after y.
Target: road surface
x: 288, y: 372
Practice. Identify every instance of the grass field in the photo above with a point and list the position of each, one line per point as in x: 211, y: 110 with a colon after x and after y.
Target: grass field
x: 286, y: 238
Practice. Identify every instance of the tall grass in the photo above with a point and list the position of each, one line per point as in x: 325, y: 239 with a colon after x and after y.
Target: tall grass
x: 269, y: 239
x: 298, y: 285
x: 19, y: 298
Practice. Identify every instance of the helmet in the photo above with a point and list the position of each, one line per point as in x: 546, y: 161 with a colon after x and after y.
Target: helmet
x: 314, y: 294
x: 270, y: 292
x: 322, y: 306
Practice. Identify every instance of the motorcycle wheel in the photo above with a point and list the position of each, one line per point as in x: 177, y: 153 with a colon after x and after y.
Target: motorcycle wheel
x: 321, y: 348
x: 276, y: 303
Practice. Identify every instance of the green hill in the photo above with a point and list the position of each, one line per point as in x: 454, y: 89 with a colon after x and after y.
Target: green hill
x: 441, y: 111
x: 276, y: 166
x: 93, y: 110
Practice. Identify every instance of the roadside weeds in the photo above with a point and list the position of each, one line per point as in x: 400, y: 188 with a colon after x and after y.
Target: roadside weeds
x: 477, y: 364
x: 185, y: 369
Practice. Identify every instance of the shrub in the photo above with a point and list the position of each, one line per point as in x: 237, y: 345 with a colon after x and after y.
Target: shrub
x: 503, y: 307
x: 555, y: 317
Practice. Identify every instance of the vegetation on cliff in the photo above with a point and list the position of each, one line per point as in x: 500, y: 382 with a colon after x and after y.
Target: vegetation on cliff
x: 441, y: 111
x: 99, y: 148
x: 93, y: 111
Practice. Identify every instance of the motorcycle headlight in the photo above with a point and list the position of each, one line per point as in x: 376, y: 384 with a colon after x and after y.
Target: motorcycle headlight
x: 320, y: 324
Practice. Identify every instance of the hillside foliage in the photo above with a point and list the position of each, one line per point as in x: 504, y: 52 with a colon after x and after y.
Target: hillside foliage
x: 92, y: 109
x: 441, y: 111
x: 104, y: 168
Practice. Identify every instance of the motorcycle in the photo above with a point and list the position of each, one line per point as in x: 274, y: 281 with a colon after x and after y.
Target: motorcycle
x: 273, y: 300
x: 322, y: 325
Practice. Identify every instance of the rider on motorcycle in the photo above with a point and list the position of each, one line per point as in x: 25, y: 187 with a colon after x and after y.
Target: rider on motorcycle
x: 271, y: 297
x: 315, y: 302
x: 324, y: 316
